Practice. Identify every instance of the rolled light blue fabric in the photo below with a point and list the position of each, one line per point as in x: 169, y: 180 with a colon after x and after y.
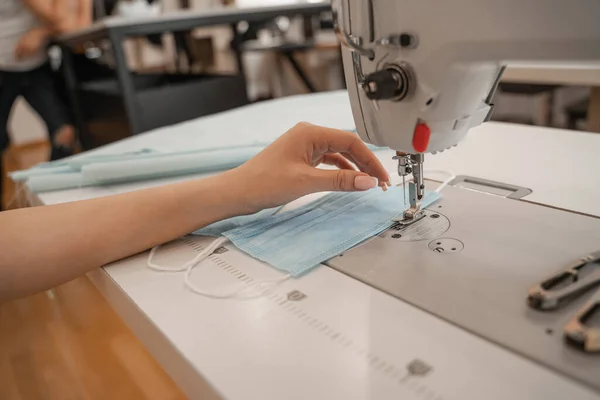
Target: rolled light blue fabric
x: 144, y: 164
x: 20, y: 176
x: 75, y: 163
x: 151, y: 154
x: 167, y: 166
x: 132, y: 167
x: 80, y: 162
x: 47, y: 183
x: 301, y: 239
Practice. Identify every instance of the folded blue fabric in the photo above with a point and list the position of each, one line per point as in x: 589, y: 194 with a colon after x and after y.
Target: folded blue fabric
x: 299, y: 240
x: 225, y: 225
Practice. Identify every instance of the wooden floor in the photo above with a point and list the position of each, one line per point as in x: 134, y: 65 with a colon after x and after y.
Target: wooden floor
x: 69, y: 344
x: 20, y: 158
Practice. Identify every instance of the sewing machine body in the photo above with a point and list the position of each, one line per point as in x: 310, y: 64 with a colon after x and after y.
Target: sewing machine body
x: 471, y: 262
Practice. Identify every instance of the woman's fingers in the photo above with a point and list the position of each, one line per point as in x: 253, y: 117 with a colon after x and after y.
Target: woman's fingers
x: 330, y: 140
x: 341, y: 161
x: 337, y: 160
x: 341, y: 180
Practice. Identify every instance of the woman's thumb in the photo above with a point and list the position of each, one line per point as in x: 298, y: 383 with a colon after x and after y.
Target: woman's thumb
x: 344, y: 180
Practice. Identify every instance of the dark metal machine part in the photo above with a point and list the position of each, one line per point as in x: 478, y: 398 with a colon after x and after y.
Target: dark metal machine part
x: 501, y: 248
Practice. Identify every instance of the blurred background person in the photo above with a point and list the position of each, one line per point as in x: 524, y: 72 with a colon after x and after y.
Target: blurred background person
x: 26, y: 27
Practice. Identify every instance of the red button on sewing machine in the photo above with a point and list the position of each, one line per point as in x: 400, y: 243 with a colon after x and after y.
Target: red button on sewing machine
x: 421, y: 138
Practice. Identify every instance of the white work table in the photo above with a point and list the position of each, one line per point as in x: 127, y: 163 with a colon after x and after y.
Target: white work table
x: 345, y: 340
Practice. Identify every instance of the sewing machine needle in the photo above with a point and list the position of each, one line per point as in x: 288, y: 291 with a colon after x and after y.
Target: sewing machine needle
x: 404, y: 189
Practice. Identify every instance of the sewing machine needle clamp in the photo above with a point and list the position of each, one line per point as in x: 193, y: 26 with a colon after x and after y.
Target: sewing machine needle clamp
x: 579, y: 277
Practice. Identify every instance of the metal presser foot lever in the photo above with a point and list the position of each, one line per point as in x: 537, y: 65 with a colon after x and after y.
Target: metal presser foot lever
x: 407, y: 164
x: 578, y: 278
x: 579, y: 332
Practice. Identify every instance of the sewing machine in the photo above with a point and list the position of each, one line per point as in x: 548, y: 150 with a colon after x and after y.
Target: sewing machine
x: 418, y: 86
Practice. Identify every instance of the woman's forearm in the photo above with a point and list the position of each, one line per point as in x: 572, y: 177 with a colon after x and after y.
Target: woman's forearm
x: 84, y: 13
x: 61, y: 16
x: 46, y: 246
x: 44, y: 10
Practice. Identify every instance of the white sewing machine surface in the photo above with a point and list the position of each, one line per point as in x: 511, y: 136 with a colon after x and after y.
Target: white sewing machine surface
x: 382, y: 321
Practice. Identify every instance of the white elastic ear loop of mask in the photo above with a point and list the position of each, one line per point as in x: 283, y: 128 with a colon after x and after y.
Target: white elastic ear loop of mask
x: 236, y: 289
x: 201, y: 256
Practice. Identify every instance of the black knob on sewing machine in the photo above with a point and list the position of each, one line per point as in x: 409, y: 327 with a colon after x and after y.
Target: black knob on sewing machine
x: 387, y: 84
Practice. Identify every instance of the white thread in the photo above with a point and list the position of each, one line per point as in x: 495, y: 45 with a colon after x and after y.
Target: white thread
x: 201, y: 256
x: 445, y: 182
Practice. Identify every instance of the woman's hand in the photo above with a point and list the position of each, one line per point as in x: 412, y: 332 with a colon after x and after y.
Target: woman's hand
x: 31, y: 43
x: 286, y: 170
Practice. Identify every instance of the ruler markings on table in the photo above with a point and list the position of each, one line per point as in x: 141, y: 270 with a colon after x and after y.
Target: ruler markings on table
x: 374, y: 362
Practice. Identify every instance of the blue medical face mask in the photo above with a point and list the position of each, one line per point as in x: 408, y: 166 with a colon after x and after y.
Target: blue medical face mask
x: 218, y: 228
x: 296, y: 241
x: 299, y: 240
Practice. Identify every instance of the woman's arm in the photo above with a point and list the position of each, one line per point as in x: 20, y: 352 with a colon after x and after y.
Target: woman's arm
x: 44, y: 10
x: 84, y: 13
x: 32, y: 42
x: 43, y: 247
x: 62, y: 16
x: 72, y: 15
